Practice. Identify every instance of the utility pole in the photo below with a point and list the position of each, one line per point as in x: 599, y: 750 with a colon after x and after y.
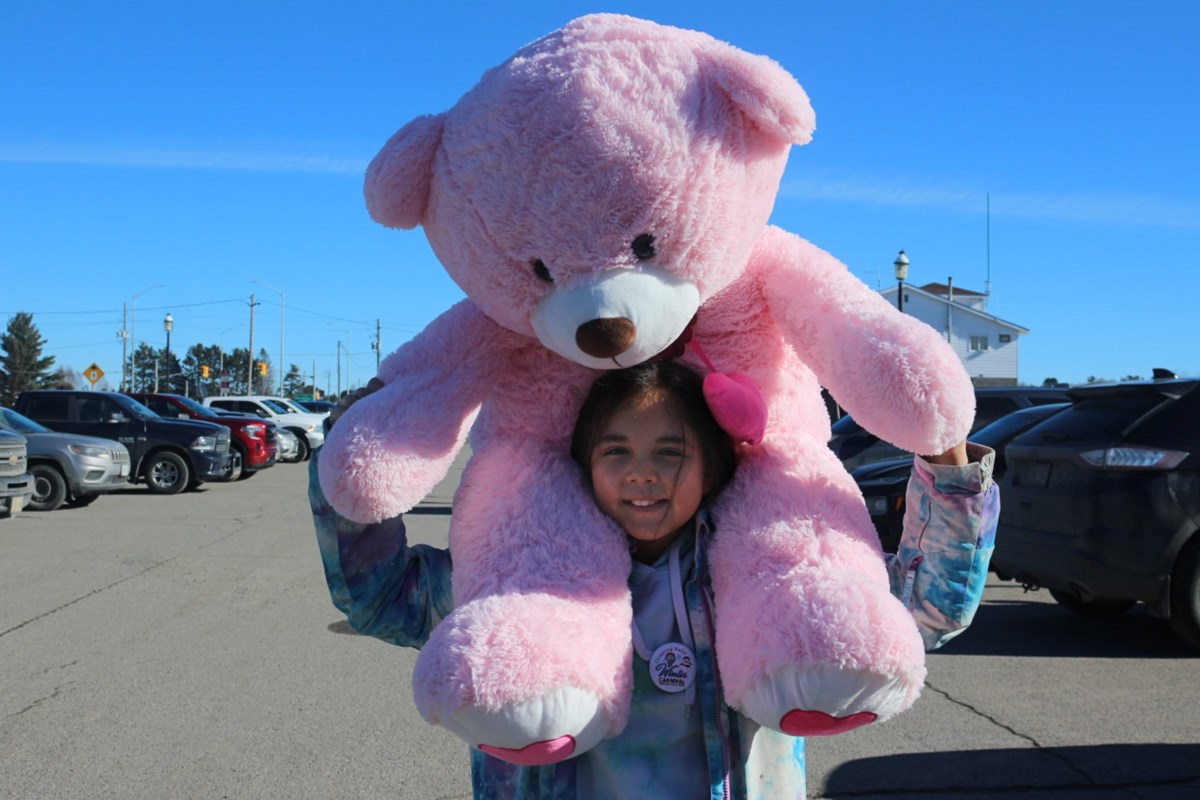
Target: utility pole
x: 378, y: 348
x: 250, y: 360
x: 123, y: 335
x: 339, y: 360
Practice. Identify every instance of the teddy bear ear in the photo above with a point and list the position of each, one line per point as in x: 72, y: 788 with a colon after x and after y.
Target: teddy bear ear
x: 765, y: 93
x: 397, y: 182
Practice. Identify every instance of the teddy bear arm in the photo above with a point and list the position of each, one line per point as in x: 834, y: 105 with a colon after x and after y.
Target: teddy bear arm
x: 391, y: 448
x: 893, y: 373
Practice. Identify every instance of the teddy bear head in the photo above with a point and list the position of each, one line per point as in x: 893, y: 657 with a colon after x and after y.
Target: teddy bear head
x: 596, y: 188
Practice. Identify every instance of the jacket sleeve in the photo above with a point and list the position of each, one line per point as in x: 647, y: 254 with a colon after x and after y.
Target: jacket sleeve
x: 941, y: 566
x: 385, y: 588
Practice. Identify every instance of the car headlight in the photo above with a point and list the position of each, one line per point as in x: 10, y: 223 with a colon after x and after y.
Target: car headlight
x: 205, y: 443
x: 90, y: 450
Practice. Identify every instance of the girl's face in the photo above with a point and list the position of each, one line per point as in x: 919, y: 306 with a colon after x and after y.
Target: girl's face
x: 648, y: 474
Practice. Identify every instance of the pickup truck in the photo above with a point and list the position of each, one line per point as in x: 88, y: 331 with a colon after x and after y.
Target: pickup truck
x: 253, y: 443
x: 169, y: 455
x: 16, y: 485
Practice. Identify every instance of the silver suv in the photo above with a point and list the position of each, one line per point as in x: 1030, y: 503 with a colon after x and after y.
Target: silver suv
x: 67, y: 467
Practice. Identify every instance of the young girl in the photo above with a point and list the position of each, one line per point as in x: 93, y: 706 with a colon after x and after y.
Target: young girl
x: 655, y: 459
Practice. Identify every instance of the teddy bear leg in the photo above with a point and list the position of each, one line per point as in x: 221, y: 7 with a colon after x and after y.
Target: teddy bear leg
x: 534, y: 664
x: 810, y: 639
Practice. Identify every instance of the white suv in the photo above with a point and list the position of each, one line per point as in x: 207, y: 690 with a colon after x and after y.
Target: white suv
x: 308, y: 428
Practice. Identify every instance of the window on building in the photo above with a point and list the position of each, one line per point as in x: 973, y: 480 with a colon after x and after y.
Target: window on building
x: 1005, y: 338
x: 979, y: 343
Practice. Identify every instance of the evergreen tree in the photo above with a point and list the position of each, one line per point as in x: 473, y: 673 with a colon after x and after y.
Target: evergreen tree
x: 22, y: 365
x: 263, y: 384
x: 293, y: 382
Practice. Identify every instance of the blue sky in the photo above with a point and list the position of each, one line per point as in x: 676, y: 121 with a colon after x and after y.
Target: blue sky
x: 207, y: 146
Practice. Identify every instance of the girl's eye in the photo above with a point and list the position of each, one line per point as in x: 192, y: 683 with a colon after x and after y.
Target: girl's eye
x: 614, y: 451
x: 671, y: 452
x: 643, y: 247
x: 540, y: 270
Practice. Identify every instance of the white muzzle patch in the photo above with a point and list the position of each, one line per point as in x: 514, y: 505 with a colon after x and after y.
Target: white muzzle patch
x: 658, y: 304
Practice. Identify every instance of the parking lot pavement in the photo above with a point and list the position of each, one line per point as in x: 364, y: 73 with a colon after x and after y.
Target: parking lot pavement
x: 179, y: 647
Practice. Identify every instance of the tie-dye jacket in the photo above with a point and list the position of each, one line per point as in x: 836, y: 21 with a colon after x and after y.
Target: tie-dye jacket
x: 399, y: 593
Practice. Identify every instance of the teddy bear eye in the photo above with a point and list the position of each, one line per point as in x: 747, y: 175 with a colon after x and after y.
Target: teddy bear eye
x: 643, y: 247
x: 540, y: 270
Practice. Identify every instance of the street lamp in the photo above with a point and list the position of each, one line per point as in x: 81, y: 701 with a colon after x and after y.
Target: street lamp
x: 282, y: 315
x: 168, y: 325
x: 133, y: 331
x: 901, y: 264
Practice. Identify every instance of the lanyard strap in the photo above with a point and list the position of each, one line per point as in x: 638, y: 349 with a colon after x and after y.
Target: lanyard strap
x: 679, y: 607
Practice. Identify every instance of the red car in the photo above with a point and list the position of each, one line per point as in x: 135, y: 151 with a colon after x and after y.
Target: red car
x: 252, y: 440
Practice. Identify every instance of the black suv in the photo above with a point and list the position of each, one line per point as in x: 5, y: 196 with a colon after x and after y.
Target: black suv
x: 170, y: 455
x: 1102, y: 503
x: 856, y: 446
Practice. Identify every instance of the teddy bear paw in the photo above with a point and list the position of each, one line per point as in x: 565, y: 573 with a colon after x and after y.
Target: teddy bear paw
x: 561, y: 723
x: 824, y: 700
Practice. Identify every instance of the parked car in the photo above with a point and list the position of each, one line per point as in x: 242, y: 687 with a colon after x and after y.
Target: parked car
x: 252, y: 440
x: 170, y: 455
x: 68, y: 468
x: 884, y: 484
x: 318, y: 406
x: 289, y: 446
x: 298, y: 407
x: 306, y: 426
x: 856, y: 446
x: 1102, y: 503
x: 16, y: 484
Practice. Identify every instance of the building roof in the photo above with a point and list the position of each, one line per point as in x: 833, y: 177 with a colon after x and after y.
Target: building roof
x: 941, y: 298
x: 942, y: 288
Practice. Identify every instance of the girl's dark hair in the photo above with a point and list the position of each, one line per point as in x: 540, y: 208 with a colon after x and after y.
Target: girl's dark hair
x: 683, y: 391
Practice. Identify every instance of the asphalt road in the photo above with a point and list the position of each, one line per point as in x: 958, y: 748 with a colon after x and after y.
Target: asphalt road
x: 185, y: 647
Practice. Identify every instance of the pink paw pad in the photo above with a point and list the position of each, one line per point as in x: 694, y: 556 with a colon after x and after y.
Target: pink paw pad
x: 536, y: 754
x: 799, y: 722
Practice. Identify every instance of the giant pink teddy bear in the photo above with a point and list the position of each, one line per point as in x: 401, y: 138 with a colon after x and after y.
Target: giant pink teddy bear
x: 592, y: 195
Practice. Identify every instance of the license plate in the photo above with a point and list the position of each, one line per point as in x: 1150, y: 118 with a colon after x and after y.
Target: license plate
x: 124, y: 470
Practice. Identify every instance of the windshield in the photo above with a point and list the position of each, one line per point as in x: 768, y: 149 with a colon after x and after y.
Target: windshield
x: 21, y: 424
x: 293, y: 406
x: 196, y: 408
x: 136, y: 408
x: 277, y: 407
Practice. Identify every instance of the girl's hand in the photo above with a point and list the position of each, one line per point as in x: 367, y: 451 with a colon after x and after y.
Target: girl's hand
x: 956, y: 456
x: 373, y: 385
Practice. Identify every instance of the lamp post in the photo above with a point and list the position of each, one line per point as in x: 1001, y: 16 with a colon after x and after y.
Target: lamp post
x: 282, y: 315
x: 168, y: 326
x: 901, y: 264
x: 133, y: 331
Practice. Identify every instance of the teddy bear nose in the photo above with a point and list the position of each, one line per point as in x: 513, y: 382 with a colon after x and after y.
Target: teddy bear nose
x: 605, y: 338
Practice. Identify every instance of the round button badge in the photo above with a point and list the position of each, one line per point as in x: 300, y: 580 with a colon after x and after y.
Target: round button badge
x: 673, y: 667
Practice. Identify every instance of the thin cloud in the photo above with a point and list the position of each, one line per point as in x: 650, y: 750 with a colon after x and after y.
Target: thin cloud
x: 1129, y: 210
x: 179, y: 158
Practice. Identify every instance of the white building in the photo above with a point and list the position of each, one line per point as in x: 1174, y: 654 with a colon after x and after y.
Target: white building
x: 987, y: 345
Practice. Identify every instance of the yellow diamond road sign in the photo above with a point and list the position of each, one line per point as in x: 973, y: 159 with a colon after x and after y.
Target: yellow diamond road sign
x: 93, y: 373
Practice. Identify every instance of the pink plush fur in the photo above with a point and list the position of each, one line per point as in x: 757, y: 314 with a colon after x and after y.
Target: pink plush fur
x: 605, y: 130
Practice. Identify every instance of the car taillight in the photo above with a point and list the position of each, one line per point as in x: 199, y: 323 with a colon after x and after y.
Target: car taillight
x: 1128, y: 457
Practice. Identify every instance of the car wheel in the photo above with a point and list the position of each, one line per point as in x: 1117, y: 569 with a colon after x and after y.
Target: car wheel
x: 1099, y: 608
x: 79, y: 501
x: 303, y: 451
x: 167, y: 473
x: 49, y: 488
x: 1185, y: 594
x: 235, y: 465
x: 247, y: 474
